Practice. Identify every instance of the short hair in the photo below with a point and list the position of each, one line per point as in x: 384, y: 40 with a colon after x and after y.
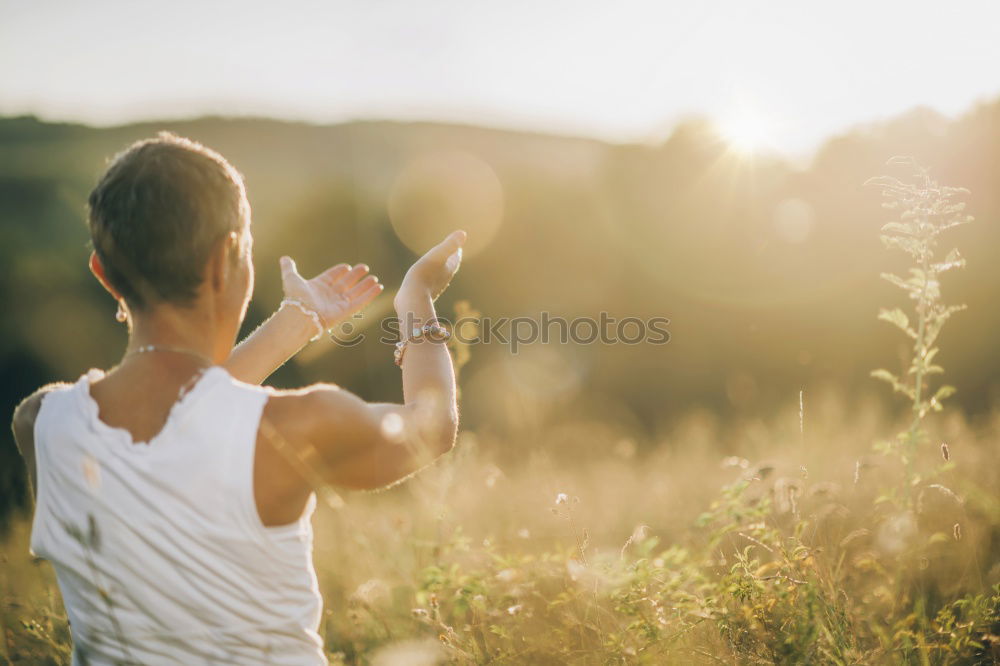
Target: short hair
x: 156, y: 214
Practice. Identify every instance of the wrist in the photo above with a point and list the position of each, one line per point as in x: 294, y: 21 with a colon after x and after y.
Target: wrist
x: 298, y: 324
x: 408, y: 299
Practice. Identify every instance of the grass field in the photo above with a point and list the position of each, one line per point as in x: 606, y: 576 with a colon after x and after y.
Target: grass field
x: 757, y: 542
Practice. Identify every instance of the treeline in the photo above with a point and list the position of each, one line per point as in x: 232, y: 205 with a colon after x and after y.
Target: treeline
x: 768, y: 271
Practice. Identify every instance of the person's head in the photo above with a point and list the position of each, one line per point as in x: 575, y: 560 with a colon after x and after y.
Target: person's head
x: 170, y: 225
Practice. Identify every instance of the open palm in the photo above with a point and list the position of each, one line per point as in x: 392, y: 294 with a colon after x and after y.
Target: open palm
x: 335, y: 294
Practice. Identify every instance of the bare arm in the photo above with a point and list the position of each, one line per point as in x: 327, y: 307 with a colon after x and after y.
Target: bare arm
x: 369, y: 445
x: 23, y: 426
x: 266, y: 349
x: 334, y: 294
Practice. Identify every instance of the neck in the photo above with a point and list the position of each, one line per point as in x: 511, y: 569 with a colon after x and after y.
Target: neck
x: 193, y: 330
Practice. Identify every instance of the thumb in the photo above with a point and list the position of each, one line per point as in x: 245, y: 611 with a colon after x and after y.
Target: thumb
x: 288, y: 268
x: 454, y: 261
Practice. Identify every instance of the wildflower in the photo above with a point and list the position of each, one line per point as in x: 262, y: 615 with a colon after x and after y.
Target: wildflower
x: 735, y: 461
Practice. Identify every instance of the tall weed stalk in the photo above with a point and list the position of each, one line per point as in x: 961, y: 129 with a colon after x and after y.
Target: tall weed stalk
x: 926, y: 210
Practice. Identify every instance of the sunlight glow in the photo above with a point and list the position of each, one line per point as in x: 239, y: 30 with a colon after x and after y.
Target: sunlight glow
x: 748, y: 131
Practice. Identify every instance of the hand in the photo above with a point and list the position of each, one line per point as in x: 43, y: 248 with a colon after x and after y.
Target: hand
x: 335, y: 294
x: 432, y: 273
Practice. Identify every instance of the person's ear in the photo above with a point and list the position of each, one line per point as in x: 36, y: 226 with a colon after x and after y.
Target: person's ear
x: 97, y: 268
x: 220, y: 262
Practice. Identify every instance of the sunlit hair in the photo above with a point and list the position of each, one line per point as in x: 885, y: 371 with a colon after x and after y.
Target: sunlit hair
x: 156, y: 214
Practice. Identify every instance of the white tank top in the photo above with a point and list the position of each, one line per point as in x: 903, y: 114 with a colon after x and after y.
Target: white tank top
x: 158, y: 548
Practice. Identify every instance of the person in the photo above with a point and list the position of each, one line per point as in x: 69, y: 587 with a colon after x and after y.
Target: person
x: 174, y: 494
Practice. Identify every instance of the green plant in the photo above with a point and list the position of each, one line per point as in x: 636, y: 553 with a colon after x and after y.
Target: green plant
x: 926, y: 210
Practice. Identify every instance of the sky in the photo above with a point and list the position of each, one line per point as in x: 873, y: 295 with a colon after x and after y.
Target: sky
x: 781, y: 74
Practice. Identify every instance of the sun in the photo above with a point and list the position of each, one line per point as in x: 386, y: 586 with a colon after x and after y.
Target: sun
x: 747, y: 131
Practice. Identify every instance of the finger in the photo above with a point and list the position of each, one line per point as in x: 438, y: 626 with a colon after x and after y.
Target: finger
x: 365, y: 296
x: 448, y: 246
x: 334, y: 273
x: 352, y: 276
x: 361, y: 286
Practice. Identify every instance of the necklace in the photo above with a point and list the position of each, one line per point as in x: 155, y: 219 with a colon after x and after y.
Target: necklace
x: 144, y: 349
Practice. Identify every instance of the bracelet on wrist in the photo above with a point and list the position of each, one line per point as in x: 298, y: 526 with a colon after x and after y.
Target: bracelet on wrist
x: 309, y: 312
x: 433, y: 332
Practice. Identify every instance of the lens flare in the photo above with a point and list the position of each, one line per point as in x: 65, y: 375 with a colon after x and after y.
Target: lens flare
x: 439, y: 192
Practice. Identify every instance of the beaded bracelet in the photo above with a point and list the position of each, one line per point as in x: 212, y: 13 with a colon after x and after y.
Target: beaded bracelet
x: 320, y: 329
x: 433, y: 332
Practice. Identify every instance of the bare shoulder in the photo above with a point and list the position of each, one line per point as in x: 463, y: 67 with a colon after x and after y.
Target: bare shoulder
x: 304, y: 413
x: 27, y: 411
x: 295, y: 448
x: 353, y: 443
x: 23, y: 425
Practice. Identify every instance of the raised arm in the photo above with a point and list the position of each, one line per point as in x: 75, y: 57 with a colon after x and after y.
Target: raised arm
x: 368, y: 445
x: 335, y: 294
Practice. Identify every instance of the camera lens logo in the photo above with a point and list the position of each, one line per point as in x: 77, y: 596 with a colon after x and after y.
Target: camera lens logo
x: 348, y: 333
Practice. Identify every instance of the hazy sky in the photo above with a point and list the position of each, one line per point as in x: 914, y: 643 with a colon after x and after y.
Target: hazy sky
x: 790, y: 71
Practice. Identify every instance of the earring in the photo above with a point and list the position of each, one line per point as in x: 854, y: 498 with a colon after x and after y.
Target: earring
x: 121, y: 315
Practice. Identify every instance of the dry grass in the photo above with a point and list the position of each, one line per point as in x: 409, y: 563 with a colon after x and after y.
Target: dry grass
x: 751, y: 543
